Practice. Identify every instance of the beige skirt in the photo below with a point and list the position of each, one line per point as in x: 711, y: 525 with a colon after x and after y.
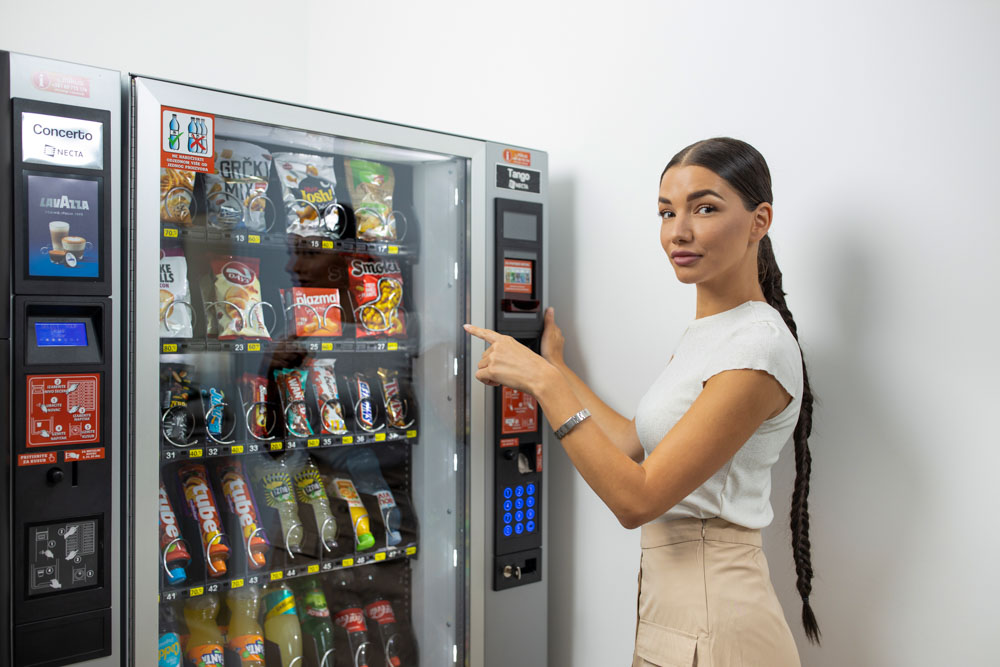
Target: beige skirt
x: 706, y: 600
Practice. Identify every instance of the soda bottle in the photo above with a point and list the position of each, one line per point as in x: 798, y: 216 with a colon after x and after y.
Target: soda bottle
x: 205, y: 642
x: 173, y: 551
x: 203, y: 508
x: 274, y: 477
x: 345, y: 490
x: 170, y: 653
x: 363, y: 465
x: 393, y: 641
x: 352, y: 633
x: 245, y: 636
x: 241, y: 503
x: 281, y: 623
x: 314, y: 615
x: 309, y: 489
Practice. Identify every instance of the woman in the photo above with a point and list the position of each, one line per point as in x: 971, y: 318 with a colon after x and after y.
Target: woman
x: 694, y: 466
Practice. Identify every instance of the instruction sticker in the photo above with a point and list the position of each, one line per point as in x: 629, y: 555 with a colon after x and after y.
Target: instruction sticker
x: 63, y: 410
x: 188, y: 140
x: 520, y: 412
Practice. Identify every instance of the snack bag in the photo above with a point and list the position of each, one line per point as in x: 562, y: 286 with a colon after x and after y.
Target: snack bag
x: 236, y: 192
x: 292, y: 383
x: 176, y: 196
x: 308, y: 187
x: 370, y: 185
x: 396, y: 406
x: 175, y: 297
x: 324, y: 385
x: 253, y: 389
x: 376, y: 287
x: 316, y: 312
x: 237, y: 291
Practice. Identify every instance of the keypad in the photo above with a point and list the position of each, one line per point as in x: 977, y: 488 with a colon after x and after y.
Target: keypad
x: 520, y: 516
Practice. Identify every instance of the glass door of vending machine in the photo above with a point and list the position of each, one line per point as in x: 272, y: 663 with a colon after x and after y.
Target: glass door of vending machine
x: 298, y: 472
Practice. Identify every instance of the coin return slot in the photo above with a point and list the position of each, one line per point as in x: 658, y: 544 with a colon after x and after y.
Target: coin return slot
x: 74, y: 474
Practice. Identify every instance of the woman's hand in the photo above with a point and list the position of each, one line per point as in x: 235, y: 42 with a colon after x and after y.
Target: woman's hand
x: 506, y: 362
x: 552, y: 339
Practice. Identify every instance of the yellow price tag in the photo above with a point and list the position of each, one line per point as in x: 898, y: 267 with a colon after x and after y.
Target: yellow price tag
x: 380, y: 437
x: 380, y: 555
x: 348, y: 562
x: 393, y: 347
x: 170, y: 347
x: 276, y: 446
x: 237, y: 449
x: 312, y: 442
x: 253, y: 347
x: 327, y: 346
x: 394, y: 250
x: 194, y: 454
x: 327, y: 244
x: 411, y: 434
x: 195, y: 592
x: 253, y: 238
x: 236, y: 583
x: 410, y: 551
x: 312, y: 569
x: 277, y: 575
x: 170, y: 233
x: 347, y: 439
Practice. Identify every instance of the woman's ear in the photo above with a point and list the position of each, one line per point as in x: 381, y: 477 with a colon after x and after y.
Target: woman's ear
x: 761, y: 221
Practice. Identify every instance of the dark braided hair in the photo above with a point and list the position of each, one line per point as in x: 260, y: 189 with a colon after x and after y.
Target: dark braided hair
x: 744, y: 168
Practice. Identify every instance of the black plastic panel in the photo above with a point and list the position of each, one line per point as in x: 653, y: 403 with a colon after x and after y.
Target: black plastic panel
x: 63, y: 641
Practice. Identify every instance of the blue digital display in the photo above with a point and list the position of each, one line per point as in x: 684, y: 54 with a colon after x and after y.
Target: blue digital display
x: 61, y: 334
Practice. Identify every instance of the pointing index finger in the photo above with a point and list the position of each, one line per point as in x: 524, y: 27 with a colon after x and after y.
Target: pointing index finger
x: 488, y: 335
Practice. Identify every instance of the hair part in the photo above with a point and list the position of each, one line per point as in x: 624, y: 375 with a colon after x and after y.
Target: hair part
x: 745, y: 170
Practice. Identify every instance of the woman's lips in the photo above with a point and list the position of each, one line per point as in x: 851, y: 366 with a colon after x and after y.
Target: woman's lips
x: 685, y: 260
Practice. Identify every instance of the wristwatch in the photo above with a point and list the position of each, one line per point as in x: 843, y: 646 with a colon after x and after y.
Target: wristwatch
x: 572, y: 422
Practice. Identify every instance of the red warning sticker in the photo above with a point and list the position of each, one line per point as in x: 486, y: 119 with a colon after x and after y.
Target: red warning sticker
x: 509, y: 442
x: 89, y: 454
x: 37, y: 459
x: 538, y: 457
x: 512, y: 156
x: 520, y: 412
x: 63, y: 410
x: 188, y: 140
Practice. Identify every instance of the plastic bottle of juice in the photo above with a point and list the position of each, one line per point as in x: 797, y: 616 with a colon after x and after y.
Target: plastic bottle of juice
x: 309, y: 490
x: 276, y: 481
x: 169, y: 653
x: 281, y: 623
x: 246, y: 638
x: 204, y: 646
x: 314, y: 615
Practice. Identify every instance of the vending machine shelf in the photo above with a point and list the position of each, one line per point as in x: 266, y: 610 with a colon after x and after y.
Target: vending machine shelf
x: 243, y: 345
x: 244, y: 241
x: 206, y: 451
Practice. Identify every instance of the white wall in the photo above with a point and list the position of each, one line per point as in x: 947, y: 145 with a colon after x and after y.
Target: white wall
x: 878, y: 121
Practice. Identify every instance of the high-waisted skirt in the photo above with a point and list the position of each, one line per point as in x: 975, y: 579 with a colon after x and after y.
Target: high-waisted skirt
x: 706, y: 599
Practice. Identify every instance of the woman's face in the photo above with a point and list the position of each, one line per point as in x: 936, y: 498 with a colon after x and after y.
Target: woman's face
x: 701, y: 215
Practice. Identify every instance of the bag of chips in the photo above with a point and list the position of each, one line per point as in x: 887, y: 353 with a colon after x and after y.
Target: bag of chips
x: 176, y: 196
x: 316, y: 311
x: 238, y: 310
x: 370, y: 185
x: 323, y: 381
x: 308, y: 187
x: 175, y: 296
x: 236, y: 193
x: 376, y: 287
x: 292, y: 383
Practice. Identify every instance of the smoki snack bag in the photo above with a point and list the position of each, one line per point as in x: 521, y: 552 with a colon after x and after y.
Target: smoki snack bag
x: 376, y: 287
x: 315, y: 311
x: 236, y: 193
x: 238, y: 305
x: 323, y: 381
x: 308, y: 187
x: 371, y: 185
x: 176, y: 196
x: 175, y: 295
x: 292, y: 383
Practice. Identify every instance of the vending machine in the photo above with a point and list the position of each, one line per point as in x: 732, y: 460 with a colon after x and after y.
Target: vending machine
x: 314, y: 476
x: 60, y: 363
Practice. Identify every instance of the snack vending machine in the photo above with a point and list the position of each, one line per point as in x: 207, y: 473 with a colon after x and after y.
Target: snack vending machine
x: 60, y: 397
x: 315, y: 478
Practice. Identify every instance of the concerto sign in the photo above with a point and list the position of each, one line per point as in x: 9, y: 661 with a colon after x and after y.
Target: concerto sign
x: 67, y: 142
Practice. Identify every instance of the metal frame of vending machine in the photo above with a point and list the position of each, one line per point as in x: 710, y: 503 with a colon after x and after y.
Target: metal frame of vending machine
x: 478, y: 582
x: 60, y: 204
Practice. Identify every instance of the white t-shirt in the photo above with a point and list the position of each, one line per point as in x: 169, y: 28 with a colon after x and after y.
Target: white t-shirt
x: 752, y: 335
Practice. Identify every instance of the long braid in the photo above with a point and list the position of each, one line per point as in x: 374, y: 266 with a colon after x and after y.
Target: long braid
x: 770, y: 282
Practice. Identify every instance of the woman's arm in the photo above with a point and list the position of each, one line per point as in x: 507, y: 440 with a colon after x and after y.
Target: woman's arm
x: 726, y: 413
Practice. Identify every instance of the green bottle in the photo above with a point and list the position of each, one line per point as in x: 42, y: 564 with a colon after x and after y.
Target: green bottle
x: 314, y: 617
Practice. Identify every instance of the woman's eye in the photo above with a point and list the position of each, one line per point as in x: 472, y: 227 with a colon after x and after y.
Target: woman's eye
x: 665, y: 214
x: 704, y: 206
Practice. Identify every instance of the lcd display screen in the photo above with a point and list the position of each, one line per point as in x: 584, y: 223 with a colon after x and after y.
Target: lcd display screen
x: 520, y: 226
x: 61, y: 334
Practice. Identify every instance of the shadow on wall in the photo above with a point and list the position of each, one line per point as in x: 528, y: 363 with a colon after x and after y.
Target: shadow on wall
x: 865, y: 484
x: 561, y: 531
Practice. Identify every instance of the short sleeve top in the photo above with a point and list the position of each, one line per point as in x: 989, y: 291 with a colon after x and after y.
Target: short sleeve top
x: 752, y: 335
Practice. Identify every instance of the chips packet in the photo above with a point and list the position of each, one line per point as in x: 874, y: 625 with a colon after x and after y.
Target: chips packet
x: 176, y: 196
x: 308, y: 187
x: 238, y: 311
x: 236, y: 193
x: 376, y: 288
x: 316, y: 312
x: 175, y: 295
x: 370, y: 185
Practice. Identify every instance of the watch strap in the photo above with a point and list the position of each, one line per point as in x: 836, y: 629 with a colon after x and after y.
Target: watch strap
x: 570, y: 423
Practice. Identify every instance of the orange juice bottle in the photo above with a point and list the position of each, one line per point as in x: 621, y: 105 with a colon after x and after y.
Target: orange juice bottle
x: 204, y: 645
x: 246, y: 638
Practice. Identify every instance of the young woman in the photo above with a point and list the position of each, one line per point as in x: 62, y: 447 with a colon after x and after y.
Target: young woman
x: 693, y: 468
